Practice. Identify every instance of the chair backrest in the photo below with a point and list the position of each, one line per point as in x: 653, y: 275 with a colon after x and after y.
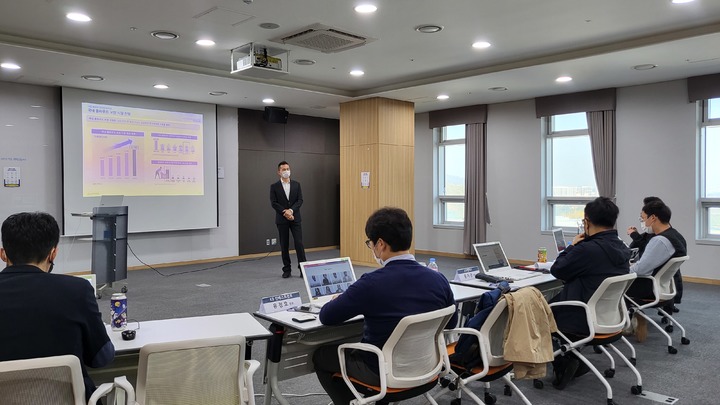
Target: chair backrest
x: 415, y: 351
x: 493, y: 332
x: 202, y: 371
x: 607, y: 306
x: 664, y: 277
x: 47, y: 380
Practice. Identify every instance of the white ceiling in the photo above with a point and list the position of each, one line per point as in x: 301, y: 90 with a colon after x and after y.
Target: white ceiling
x: 533, y: 42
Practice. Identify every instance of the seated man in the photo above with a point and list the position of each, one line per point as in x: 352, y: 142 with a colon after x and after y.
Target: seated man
x: 46, y: 314
x: 400, y: 288
x: 666, y: 244
x: 592, y: 257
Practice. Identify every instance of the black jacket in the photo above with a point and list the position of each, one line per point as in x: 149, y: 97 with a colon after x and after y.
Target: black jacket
x: 280, y: 202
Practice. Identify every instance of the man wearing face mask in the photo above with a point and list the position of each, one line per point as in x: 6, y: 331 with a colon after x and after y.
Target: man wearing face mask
x: 46, y: 314
x: 640, y: 240
x: 401, y: 287
x: 286, y: 199
x: 666, y: 244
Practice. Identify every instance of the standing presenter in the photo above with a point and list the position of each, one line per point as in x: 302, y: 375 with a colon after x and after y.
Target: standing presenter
x: 286, y: 199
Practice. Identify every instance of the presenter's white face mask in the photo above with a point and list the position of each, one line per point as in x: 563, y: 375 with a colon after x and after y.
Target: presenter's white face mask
x: 286, y: 174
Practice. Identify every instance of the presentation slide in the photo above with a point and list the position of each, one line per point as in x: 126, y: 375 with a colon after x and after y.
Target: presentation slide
x: 159, y: 154
x: 141, y: 152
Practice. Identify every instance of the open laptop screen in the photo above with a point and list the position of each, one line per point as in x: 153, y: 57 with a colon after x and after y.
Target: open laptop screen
x: 491, y: 256
x: 560, y: 243
x: 326, y: 278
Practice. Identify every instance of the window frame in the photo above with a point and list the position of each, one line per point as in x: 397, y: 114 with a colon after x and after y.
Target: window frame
x: 704, y: 203
x: 548, y: 200
x: 440, y: 199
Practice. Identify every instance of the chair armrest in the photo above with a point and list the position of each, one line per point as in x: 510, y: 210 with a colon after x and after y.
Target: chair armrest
x: 249, y: 389
x: 119, y: 382
x: 481, y: 348
x: 381, y: 366
x: 588, y: 317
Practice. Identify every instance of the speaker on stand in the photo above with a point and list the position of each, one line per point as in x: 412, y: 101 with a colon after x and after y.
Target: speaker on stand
x: 275, y: 115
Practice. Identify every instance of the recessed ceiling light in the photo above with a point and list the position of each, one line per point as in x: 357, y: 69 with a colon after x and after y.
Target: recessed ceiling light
x: 9, y: 125
x: 79, y: 17
x: 429, y: 28
x: 357, y: 73
x: 93, y: 78
x: 35, y: 106
x: 34, y: 118
x: 304, y: 62
x: 269, y: 26
x: 205, y: 42
x: 365, y: 8
x: 499, y: 88
x: 166, y: 35
x: 681, y: 1
x: 9, y: 65
x: 443, y: 97
x: 161, y: 86
x: 217, y: 93
x: 563, y: 79
x: 268, y: 101
x: 646, y: 66
x: 481, y: 45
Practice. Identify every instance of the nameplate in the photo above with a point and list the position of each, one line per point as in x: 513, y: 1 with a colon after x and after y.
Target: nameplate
x: 277, y: 303
x: 467, y: 273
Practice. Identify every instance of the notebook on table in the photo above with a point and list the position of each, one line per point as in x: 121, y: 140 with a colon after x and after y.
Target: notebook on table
x: 494, y: 262
x: 325, y: 279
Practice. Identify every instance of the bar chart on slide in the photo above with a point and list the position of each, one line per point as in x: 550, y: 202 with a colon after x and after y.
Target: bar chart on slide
x: 121, y: 162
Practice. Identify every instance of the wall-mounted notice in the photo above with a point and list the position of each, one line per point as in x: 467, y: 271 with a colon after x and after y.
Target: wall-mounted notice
x: 11, y: 176
x: 365, y: 179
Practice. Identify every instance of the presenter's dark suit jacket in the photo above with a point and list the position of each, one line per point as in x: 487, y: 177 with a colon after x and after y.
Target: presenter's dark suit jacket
x: 280, y: 202
x: 43, y: 315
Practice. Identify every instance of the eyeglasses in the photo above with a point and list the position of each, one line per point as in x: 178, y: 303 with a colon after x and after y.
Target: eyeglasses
x: 367, y: 243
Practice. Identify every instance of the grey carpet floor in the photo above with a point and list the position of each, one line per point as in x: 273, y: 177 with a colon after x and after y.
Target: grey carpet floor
x: 220, y: 288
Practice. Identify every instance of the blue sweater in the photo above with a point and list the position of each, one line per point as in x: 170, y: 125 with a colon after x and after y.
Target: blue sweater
x: 388, y: 294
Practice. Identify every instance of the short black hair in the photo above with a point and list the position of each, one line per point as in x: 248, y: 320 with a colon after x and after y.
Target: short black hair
x: 602, y: 212
x: 651, y: 199
x: 659, y: 209
x: 391, y: 225
x: 28, y: 237
x: 283, y: 163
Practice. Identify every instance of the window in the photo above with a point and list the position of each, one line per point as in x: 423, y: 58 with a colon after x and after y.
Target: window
x: 450, y: 179
x: 569, y: 178
x: 709, y: 169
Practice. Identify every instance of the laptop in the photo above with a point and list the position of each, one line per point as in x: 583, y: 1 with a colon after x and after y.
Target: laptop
x: 560, y: 243
x: 326, y: 279
x: 494, y: 262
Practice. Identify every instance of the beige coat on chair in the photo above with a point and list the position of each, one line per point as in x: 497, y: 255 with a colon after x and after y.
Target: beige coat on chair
x: 528, y: 340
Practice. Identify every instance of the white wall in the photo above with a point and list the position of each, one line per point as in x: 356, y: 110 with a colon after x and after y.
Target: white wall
x: 656, y: 144
x: 165, y: 247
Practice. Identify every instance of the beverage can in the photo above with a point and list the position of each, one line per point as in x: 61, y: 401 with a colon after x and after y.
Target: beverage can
x: 542, y: 255
x: 118, y: 311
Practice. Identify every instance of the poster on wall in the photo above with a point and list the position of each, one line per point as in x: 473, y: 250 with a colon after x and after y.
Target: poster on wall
x: 11, y: 176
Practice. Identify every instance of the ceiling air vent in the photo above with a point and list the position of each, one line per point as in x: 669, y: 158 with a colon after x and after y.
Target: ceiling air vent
x: 323, y: 38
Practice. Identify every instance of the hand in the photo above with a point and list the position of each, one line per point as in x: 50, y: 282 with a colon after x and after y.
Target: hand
x: 631, y: 229
x: 290, y: 217
x: 578, y: 238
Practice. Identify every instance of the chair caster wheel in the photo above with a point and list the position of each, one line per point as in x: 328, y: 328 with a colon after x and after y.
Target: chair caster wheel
x: 636, y: 390
x: 452, y: 386
x: 124, y: 289
x: 672, y: 350
x: 538, y: 384
x: 507, y: 391
x: 444, y: 382
x: 633, y: 361
x: 685, y: 340
x: 489, y: 398
x: 455, y: 401
x: 596, y: 349
x: 609, y: 373
x: 663, y: 320
x: 669, y: 329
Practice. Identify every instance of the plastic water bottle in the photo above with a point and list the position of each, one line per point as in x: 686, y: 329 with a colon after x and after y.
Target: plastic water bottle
x: 433, y: 264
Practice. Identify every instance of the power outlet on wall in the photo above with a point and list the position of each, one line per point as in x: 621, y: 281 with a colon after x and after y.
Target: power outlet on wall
x: 267, y: 242
x: 273, y: 241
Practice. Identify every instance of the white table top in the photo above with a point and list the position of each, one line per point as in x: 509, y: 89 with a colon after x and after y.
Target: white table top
x: 285, y: 318
x: 199, y: 327
x: 528, y: 282
x: 464, y: 293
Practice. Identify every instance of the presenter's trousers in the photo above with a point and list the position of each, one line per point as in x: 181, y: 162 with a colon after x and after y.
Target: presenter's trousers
x: 284, y: 230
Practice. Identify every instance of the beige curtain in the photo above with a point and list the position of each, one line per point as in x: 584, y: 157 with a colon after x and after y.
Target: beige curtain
x: 476, y: 214
x: 601, y: 126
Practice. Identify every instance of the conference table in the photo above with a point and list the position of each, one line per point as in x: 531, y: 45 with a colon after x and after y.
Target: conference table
x: 290, y: 349
x: 127, y: 352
